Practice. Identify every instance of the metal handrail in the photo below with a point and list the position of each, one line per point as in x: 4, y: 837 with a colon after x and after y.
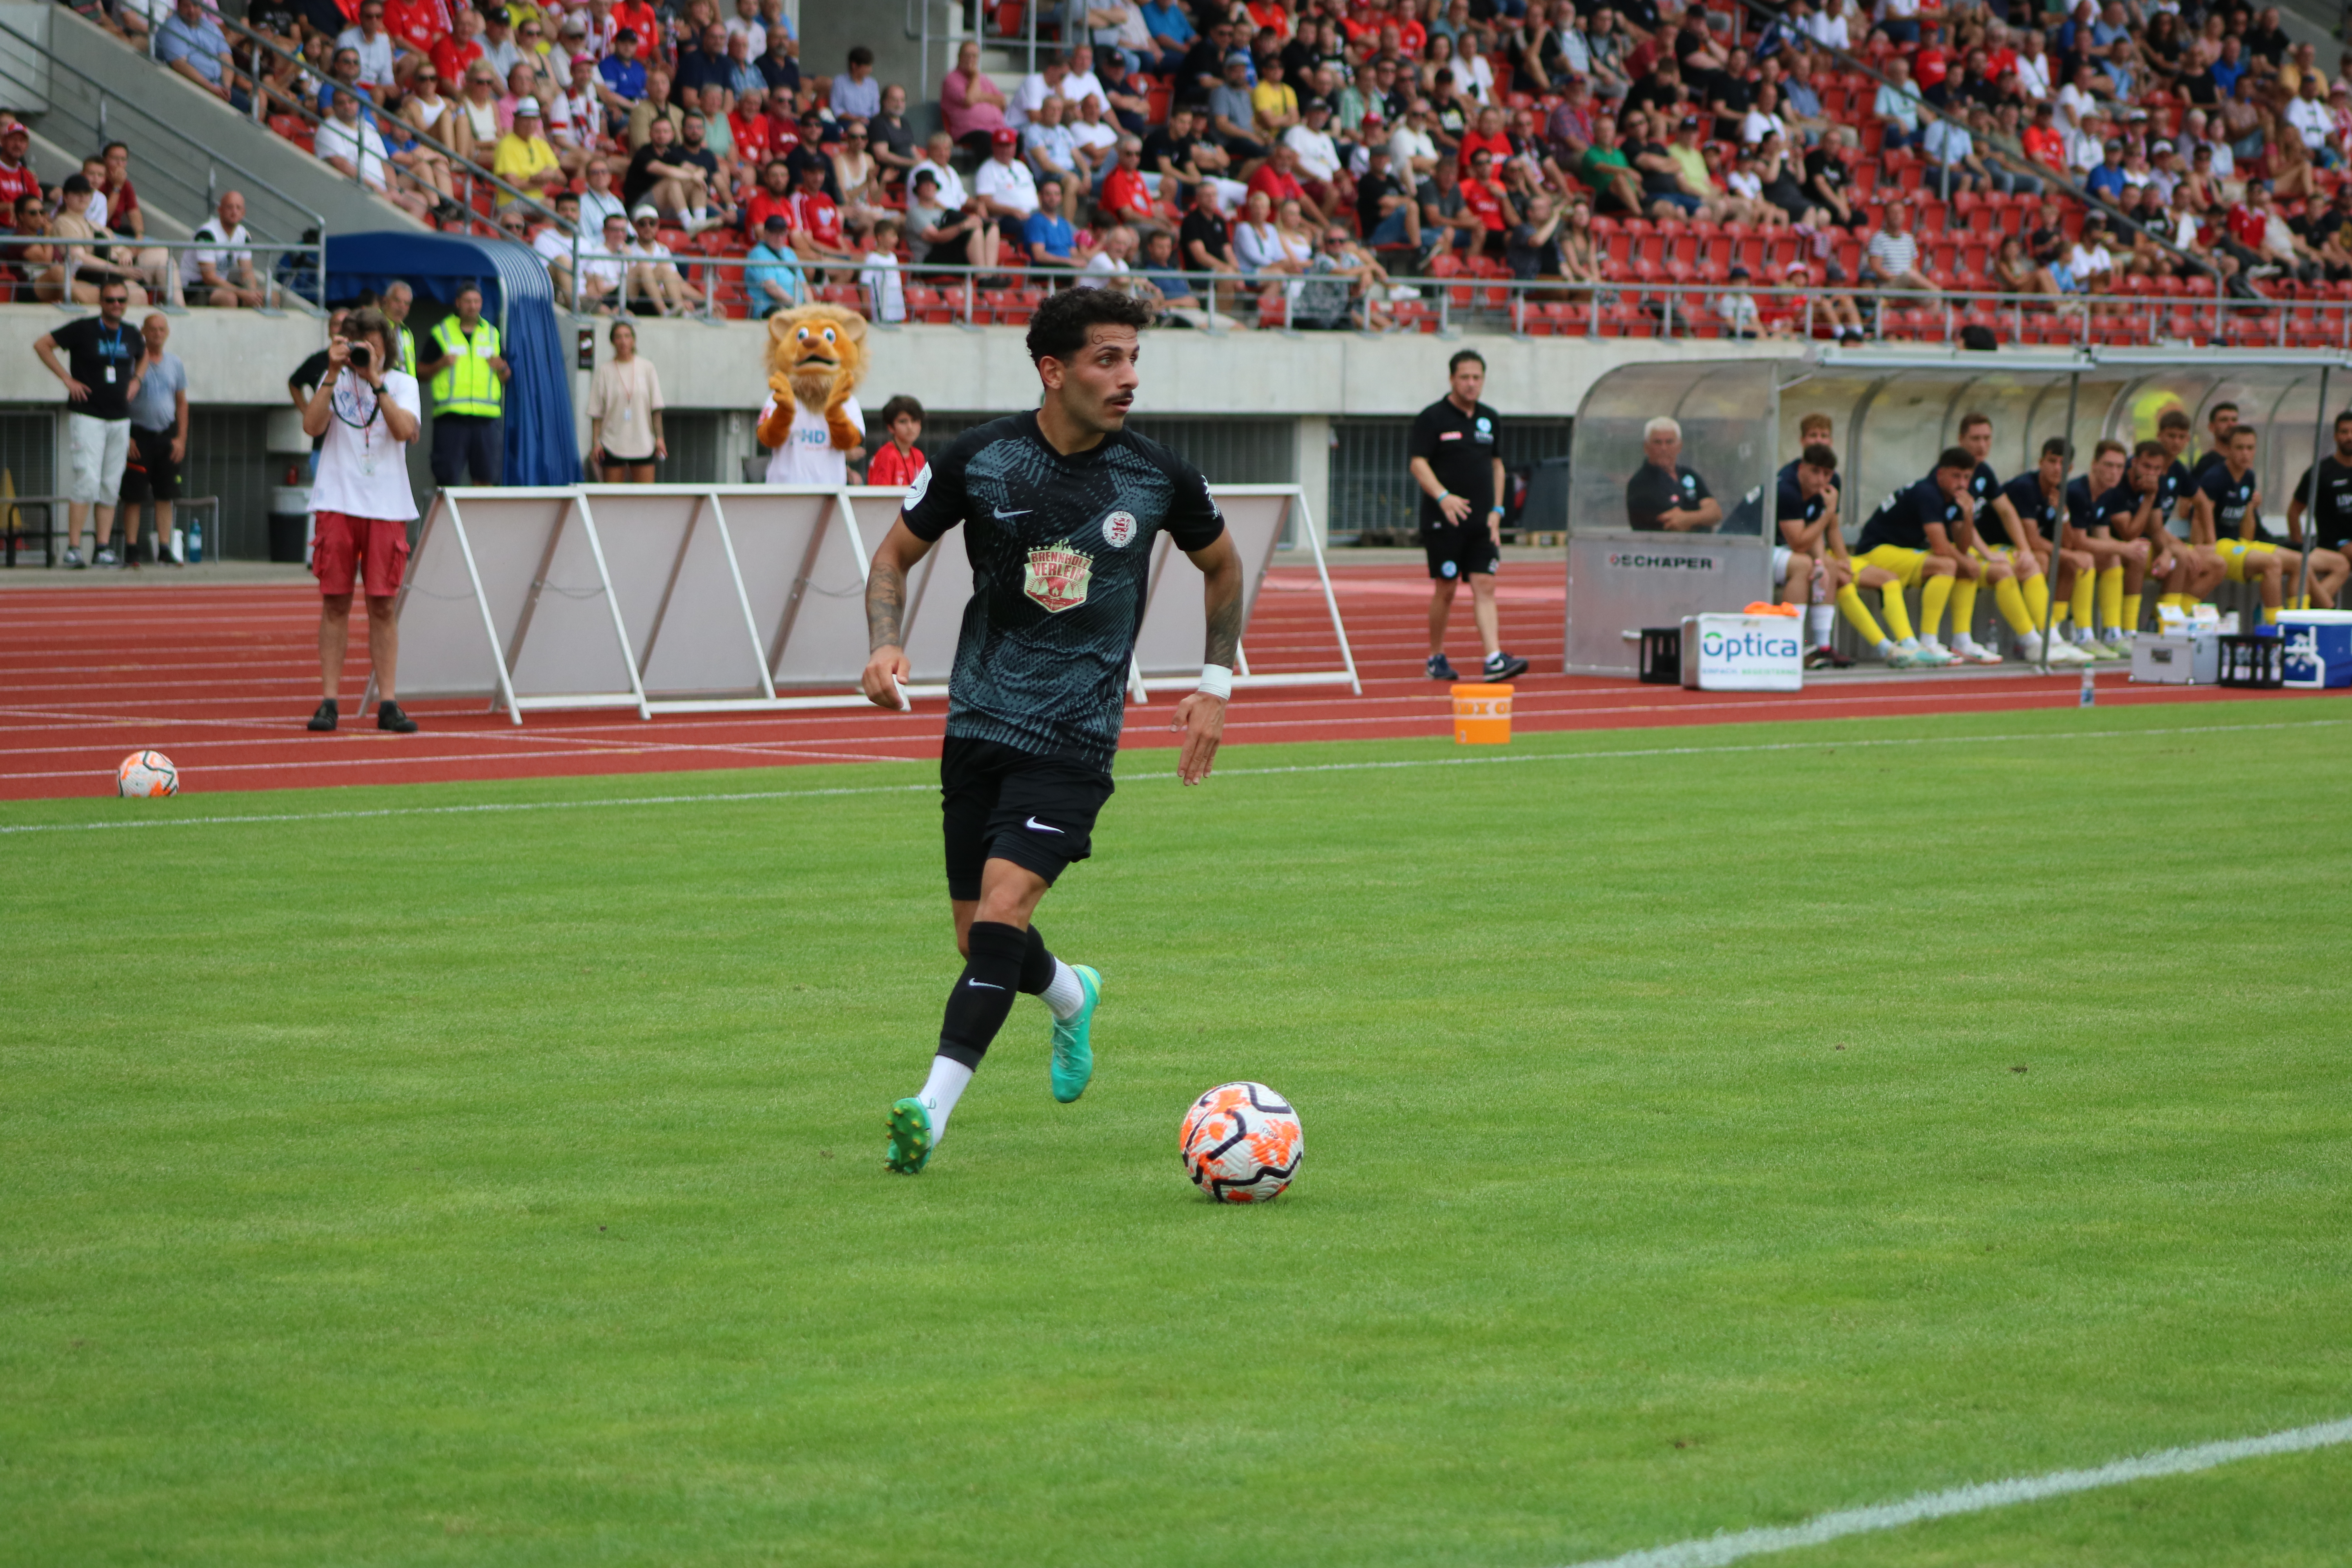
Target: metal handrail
x: 313, y: 118
x: 276, y: 293
x: 213, y: 157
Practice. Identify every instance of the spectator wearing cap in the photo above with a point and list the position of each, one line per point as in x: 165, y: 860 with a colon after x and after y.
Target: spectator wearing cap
x: 1387, y: 214
x: 17, y: 179
x: 2106, y: 181
x: 855, y: 91
x: 1319, y: 165
x: 525, y: 158
x: 971, y: 103
x: 1233, y: 118
x: 945, y: 236
x: 655, y: 285
x: 771, y: 273
x: 1127, y: 101
x: 1003, y: 186
x: 621, y: 74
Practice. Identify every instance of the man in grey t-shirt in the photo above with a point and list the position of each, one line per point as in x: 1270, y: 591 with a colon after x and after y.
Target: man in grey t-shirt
x: 159, y: 444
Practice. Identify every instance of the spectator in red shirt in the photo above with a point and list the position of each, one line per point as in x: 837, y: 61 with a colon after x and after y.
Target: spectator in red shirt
x: 1485, y: 199
x: 1489, y: 135
x: 1931, y: 67
x: 816, y: 222
x: 772, y: 199
x: 462, y: 47
x: 749, y: 124
x: 638, y: 18
x: 419, y: 24
x: 1125, y: 198
x: 2043, y: 142
x: 897, y: 460
x: 1277, y: 178
x: 16, y: 177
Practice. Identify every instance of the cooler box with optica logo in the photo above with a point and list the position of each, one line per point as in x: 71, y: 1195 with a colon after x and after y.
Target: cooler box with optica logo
x: 1743, y: 653
x: 2318, y: 647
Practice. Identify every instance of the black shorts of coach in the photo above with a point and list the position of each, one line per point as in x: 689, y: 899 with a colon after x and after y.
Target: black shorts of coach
x: 1456, y: 552
x: 463, y: 442
x: 150, y: 475
x: 1000, y: 803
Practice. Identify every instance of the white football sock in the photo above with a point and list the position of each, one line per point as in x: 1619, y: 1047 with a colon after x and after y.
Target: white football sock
x: 1063, y: 993
x: 1824, y: 623
x: 1886, y: 647
x: 942, y: 1089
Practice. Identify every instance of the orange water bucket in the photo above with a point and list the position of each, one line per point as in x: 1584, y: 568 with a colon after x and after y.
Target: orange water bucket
x: 1482, y: 715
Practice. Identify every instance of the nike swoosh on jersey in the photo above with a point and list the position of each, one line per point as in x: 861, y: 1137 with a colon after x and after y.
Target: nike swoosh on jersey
x: 1033, y: 825
x: 1001, y: 514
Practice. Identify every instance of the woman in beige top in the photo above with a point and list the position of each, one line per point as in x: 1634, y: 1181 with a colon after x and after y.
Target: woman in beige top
x: 90, y: 265
x: 625, y: 413
x: 473, y: 129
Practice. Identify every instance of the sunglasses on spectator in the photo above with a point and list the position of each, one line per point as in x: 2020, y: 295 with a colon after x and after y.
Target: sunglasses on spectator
x: 114, y: 299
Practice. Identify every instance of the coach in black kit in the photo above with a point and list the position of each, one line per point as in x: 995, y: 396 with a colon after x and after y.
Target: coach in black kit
x: 1457, y: 460
x: 1059, y: 507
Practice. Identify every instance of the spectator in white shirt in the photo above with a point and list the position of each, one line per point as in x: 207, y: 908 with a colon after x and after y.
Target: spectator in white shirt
x: 953, y: 197
x: 351, y: 146
x: 1079, y: 80
x: 885, y: 289
x: 746, y: 24
x: 368, y: 40
x: 1764, y: 119
x: 2308, y: 115
x: 1894, y: 255
x: 1051, y: 151
x: 1003, y: 186
x: 554, y: 242
x: 1828, y: 27
x: 1413, y: 153
x: 600, y: 200
x: 221, y: 275
x: 604, y: 266
x: 1111, y: 261
x: 1035, y: 89
x: 2032, y: 70
x: 653, y: 275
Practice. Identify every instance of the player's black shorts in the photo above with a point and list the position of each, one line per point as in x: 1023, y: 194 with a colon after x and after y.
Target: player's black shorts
x: 152, y: 474
x: 995, y: 801
x: 1456, y: 553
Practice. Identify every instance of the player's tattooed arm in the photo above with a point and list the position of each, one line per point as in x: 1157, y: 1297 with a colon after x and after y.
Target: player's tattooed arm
x: 1200, y: 716
x: 1224, y: 594
x: 886, y: 614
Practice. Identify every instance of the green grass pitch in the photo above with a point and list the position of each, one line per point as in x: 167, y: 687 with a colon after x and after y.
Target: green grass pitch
x: 1776, y: 1120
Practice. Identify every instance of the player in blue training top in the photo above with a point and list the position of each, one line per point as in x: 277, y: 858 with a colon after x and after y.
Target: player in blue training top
x: 2000, y: 549
x: 1910, y: 540
x: 1060, y: 509
x: 2038, y: 499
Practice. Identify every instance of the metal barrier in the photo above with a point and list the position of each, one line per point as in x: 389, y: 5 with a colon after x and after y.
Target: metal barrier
x: 157, y: 266
x: 14, y: 531
x: 1447, y: 305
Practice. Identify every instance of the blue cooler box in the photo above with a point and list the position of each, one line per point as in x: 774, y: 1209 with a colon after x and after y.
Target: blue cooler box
x: 2318, y: 647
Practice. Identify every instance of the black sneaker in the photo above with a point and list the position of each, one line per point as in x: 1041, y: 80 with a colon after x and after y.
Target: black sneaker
x: 324, y: 719
x: 1504, y: 667
x: 1826, y: 659
x: 388, y: 716
x: 1440, y: 670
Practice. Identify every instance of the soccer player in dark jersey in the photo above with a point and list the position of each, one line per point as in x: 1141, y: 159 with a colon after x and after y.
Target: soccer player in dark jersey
x: 2000, y: 549
x: 2228, y: 504
x: 1060, y: 509
x: 2038, y: 499
x: 2220, y: 420
x: 2331, y: 523
x: 1456, y: 461
x: 1810, y: 562
x: 2129, y: 514
x: 1907, y: 541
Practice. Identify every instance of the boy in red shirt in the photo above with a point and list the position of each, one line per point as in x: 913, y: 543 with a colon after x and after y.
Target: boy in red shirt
x: 899, y: 459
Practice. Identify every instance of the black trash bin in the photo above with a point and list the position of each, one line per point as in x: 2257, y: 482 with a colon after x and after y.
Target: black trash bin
x: 289, y: 537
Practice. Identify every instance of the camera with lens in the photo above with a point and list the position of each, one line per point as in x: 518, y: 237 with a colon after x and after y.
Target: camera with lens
x: 362, y: 354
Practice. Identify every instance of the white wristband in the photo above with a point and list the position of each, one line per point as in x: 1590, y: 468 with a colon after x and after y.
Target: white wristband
x: 1217, y: 680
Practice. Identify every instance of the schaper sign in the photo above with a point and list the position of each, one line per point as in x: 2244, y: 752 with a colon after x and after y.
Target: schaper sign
x: 1665, y: 563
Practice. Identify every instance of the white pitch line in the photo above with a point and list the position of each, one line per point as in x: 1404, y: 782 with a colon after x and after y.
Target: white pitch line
x: 619, y: 802
x: 1717, y: 1550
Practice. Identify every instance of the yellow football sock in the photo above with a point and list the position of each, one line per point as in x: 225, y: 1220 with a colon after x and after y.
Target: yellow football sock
x: 1964, y: 606
x: 2085, y: 587
x: 2118, y: 608
x: 2009, y: 599
x: 2181, y: 602
x: 1934, y: 593
x: 1897, y: 612
x: 2269, y: 614
x: 1857, y: 615
x: 2058, y: 612
x: 2036, y: 590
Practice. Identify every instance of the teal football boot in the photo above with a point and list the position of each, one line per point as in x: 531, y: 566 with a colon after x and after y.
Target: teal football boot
x: 1074, y: 1053
x: 910, y: 1137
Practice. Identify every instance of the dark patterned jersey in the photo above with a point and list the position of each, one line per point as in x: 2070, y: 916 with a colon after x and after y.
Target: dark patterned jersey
x: 2170, y: 488
x: 2032, y: 508
x: 1902, y: 519
x: 1060, y: 550
x: 1983, y: 485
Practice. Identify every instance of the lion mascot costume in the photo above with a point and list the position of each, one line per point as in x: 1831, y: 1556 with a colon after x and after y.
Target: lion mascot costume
x: 811, y: 423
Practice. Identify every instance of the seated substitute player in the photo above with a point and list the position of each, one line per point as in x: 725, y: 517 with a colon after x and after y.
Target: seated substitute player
x: 1909, y: 540
x: 1456, y: 461
x: 1810, y: 562
x: 1060, y: 507
x: 2121, y: 563
x: 2331, y: 525
x: 2038, y: 499
x: 2229, y: 500
x: 2186, y: 572
x: 2001, y: 551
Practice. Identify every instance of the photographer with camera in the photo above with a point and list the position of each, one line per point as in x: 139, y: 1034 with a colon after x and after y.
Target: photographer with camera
x: 364, y: 413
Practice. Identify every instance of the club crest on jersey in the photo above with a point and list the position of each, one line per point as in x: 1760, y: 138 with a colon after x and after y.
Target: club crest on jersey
x: 1119, y: 528
x: 1057, y: 577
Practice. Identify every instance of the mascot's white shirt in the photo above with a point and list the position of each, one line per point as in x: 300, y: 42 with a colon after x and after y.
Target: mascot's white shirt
x: 808, y: 456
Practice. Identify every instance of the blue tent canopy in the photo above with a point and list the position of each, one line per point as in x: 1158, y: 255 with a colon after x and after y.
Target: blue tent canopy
x: 541, y: 440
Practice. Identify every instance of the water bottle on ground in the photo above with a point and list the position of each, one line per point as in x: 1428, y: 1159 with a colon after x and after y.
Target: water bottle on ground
x: 2090, y: 691
x: 195, y: 543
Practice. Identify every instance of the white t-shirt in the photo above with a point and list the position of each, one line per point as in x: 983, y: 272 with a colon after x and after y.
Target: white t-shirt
x: 1099, y: 269
x: 375, y: 55
x: 225, y: 264
x: 1077, y: 89
x: 357, y: 144
x: 362, y: 471
x: 808, y: 456
x: 1008, y: 183
x: 953, y: 195
x: 1406, y: 144
x: 1319, y: 155
x: 598, y: 265
x: 595, y: 206
x: 884, y: 286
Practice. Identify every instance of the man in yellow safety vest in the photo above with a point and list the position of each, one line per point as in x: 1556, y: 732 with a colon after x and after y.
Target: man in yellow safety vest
x: 469, y: 389
x: 397, y: 298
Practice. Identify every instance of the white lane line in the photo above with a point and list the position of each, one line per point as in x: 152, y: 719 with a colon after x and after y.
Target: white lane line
x: 1716, y: 1550
x: 621, y: 802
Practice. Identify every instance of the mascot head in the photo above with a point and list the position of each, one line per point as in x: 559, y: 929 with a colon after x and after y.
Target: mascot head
x: 819, y: 351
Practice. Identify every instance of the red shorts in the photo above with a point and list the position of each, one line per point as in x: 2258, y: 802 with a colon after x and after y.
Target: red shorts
x: 375, y: 547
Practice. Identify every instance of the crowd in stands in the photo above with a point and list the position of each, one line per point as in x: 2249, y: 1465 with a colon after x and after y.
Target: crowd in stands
x: 1294, y: 159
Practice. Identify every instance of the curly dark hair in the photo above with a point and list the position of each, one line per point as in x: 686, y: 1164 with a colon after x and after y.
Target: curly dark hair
x: 1058, y: 329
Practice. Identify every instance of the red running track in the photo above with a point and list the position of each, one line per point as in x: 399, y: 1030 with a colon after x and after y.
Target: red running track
x: 222, y: 679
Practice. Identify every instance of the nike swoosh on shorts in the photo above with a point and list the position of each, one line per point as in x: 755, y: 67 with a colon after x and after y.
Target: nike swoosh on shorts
x: 1033, y: 825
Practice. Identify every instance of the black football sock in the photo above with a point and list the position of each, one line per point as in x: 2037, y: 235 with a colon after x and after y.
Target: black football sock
x: 983, y: 993
x: 1044, y: 975
x: 1037, y: 966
